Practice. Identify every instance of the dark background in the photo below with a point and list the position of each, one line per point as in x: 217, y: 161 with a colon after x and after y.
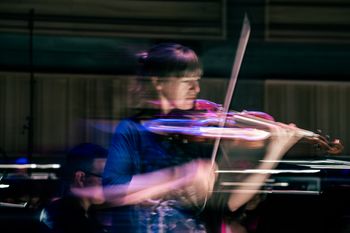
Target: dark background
x: 290, y: 41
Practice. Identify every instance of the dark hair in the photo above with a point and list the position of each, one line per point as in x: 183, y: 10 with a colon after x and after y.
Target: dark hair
x: 169, y: 60
x: 81, y: 158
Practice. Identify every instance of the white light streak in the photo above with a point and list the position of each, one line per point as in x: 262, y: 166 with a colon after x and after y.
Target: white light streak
x: 268, y: 171
x: 6, y: 204
x: 24, y: 166
x: 271, y: 191
x: 280, y: 184
x: 3, y: 186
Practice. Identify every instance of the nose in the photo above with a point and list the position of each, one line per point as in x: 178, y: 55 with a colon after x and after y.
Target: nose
x: 195, y: 86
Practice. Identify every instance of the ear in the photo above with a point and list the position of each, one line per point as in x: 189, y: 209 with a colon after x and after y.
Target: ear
x: 79, y: 178
x: 155, y: 82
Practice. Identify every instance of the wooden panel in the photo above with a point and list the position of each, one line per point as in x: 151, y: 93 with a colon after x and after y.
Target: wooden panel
x: 139, y: 18
x: 309, y: 20
x: 311, y: 105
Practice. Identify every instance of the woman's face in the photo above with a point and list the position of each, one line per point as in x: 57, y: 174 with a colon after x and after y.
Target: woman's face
x: 178, y: 93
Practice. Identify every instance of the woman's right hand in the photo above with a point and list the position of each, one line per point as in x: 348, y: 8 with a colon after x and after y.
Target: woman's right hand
x: 199, y: 178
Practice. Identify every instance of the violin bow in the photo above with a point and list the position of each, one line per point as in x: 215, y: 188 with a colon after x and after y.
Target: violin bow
x: 242, y: 44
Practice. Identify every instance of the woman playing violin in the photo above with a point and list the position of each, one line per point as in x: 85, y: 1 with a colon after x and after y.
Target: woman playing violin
x: 165, y: 181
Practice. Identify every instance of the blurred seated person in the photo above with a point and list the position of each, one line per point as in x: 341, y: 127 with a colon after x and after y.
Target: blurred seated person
x: 72, y: 213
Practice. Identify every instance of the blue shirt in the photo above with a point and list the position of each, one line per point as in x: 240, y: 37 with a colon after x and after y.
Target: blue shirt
x: 134, y: 150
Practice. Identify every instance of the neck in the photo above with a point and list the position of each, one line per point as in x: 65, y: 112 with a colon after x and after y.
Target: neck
x: 165, y: 105
x: 84, y: 202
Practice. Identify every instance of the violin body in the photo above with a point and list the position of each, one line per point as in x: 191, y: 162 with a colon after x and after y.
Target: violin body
x: 208, y: 121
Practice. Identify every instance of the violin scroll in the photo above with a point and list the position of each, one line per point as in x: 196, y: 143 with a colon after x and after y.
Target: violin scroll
x: 334, y: 147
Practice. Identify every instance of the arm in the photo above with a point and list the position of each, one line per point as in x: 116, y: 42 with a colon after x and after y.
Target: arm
x: 124, y: 185
x: 163, y: 182
x: 123, y: 182
x: 283, y: 139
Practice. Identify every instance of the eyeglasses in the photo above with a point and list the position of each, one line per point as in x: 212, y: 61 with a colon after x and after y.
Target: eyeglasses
x: 93, y: 174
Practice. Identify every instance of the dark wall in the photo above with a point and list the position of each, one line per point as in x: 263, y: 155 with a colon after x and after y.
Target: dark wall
x: 294, y: 57
x: 282, y: 59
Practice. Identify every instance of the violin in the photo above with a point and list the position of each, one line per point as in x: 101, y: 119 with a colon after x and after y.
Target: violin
x: 208, y: 121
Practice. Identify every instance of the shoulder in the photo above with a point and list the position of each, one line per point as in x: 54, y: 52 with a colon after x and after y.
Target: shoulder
x: 128, y: 123
x: 130, y: 126
x: 50, y: 213
x: 51, y: 209
x: 58, y: 209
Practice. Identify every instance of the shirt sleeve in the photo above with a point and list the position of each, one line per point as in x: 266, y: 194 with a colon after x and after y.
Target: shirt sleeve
x: 123, y: 156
